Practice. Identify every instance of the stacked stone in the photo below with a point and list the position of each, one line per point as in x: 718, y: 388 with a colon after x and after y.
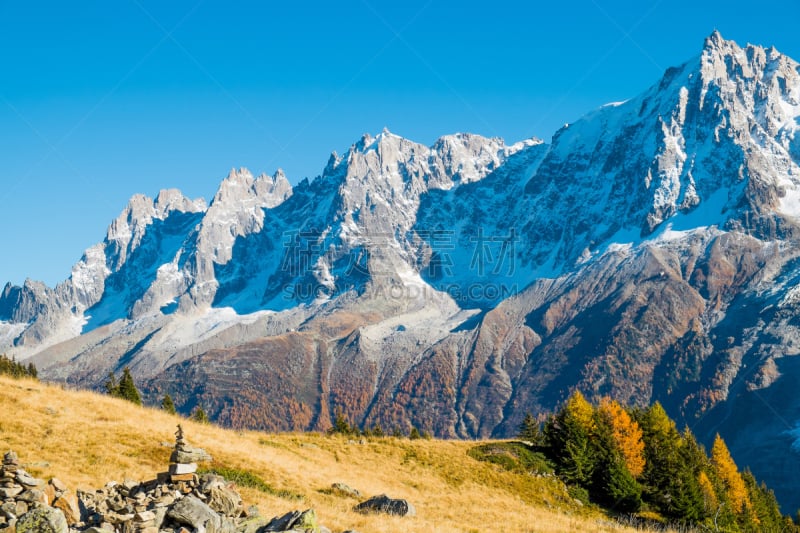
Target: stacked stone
x: 12, y: 491
x: 176, y: 502
x: 9, y: 489
x: 182, y: 467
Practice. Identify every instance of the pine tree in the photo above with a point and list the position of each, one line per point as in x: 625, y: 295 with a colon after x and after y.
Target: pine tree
x: 14, y: 369
x: 340, y: 424
x: 199, y: 415
x: 662, y: 443
x: 766, y: 512
x: 568, y: 436
x: 414, y: 434
x: 529, y: 431
x: 377, y: 430
x: 112, y: 387
x: 127, y: 388
x: 688, y: 501
x: 710, y: 501
x: 168, y: 405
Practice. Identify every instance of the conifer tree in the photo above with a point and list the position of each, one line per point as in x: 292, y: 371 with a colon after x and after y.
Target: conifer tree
x: 14, y: 369
x: 710, y: 501
x: 662, y: 443
x: 168, y: 405
x: 340, y: 424
x: 199, y: 415
x: 529, y: 430
x: 766, y: 512
x: 728, y: 473
x: 112, y: 387
x: 127, y: 388
x: 414, y: 434
x: 612, y: 482
x: 568, y: 436
x: 627, y: 435
x: 688, y: 498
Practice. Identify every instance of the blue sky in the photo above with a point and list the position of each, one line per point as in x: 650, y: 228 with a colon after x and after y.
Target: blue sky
x: 103, y: 99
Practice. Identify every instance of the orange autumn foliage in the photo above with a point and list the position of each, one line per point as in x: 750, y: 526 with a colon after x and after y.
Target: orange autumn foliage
x: 627, y: 435
x: 727, y: 471
x: 710, y: 502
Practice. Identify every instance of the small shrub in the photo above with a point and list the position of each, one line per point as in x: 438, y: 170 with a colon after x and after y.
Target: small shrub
x: 576, y: 492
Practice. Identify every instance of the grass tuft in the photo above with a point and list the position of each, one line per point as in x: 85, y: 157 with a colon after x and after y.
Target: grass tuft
x: 513, y: 456
x: 246, y: 478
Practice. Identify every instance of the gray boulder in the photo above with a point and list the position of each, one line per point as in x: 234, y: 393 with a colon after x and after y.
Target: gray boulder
x: 192, y: 512
x: 387, y: 505
x: 345, y: 490
x: 225, y: 501
x: 294, y: 521
x: 43, y: 520
x: 252, y: 525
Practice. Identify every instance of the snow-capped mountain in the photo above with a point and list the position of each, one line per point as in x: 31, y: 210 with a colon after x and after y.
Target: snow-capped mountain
x: 648, y: 252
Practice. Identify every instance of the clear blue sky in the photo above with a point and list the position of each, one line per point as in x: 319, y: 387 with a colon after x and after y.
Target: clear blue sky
x: 103, y: 99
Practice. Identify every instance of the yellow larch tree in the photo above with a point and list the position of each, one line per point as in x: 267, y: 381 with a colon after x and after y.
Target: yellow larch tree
x: 710, y: 502
x: 728, y: 473
x: 580, y: 410
x: 627, y: 435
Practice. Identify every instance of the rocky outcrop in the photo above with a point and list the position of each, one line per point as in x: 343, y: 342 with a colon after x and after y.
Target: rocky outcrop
x: 29, y: 504
x: 174, y: 502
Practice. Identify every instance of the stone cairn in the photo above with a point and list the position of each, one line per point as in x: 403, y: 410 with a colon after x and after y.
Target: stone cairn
x: 183, y: 461
x: 28, y: 502
x: 177, y: 501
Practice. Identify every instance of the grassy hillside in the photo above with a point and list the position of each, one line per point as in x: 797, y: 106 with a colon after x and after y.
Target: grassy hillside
x: 87, y: 439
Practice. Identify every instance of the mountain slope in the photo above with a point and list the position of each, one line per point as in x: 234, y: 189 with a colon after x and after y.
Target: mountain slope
x: 46, y: 426
x: 649, y: 252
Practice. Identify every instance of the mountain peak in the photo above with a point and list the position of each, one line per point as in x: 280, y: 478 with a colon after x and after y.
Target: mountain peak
x: 279, y: 175
x: 715, y: 40
x: 364, y: 142
x: 173, y: 199
x: 240, y: 186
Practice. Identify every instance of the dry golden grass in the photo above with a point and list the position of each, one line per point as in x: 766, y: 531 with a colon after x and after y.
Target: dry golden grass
x: 86, y: 440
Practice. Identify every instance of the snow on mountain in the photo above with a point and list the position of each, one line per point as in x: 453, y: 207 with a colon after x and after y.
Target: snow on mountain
x: 262, y: 245
x: 649, y: 251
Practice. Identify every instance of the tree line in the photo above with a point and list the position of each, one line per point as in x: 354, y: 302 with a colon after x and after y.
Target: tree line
x: 342, y: 426
x: 10, y: 367
x: 125, y: 388
x: 634, y: 460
